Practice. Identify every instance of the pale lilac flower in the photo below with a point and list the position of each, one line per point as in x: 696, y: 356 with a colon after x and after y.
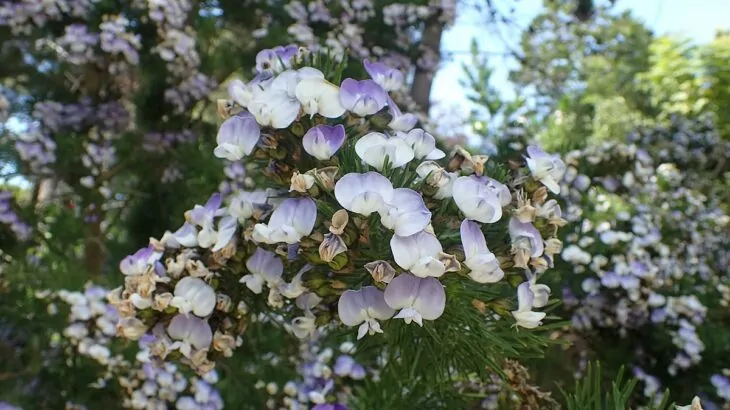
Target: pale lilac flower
x: 264, y: 267
x: 243, y: 203
x: 365, y: 306
x: 291, y: 220
x: 276, y: 59
x: 295, y: 288
x: 388, y: 78
x: 546, y: 168
x: 242, y: 93
x: 422, y: 143
x: 202, y: 215
x: 363, y: 193
x: 526, y: 237
x: 481, y: 198
x: 323, y: 141
x: 277, y: 106
x: 524, y: 315
x: 373, y: 148
x: 140, y: 262
x: 400, y: 121
x: 405, y: 212
x: 237, y: 137
x: 189, y: 332
x: 540, y: 292
x: 417, y: 298
x: 482, y: 262
x: 421, y: 254
x: 218, y: 239
x: 437, y: 177
x: 362, y: 98
x: 194, y: 295
x: 319, y: 96
x: 186, y: 235
x: 346, y: 366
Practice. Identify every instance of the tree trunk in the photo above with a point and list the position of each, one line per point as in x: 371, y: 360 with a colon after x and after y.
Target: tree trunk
x: 423, y: 78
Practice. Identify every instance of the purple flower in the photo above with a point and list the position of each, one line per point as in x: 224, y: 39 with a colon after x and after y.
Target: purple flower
x: 400, y: 121
x: 481, y: 198
x: 421, y: 254
x: 418, y: 298
x: 202, y: 215
x: 189, y: 331
x: 363, y: 193
x: 275, y: 59
x: 525, y: 236
x: 138, y: 263
x: 346, y: 366
x: 482, y: 262
x: 328, y: 406
x: 365, y: 306
x: 265, y: 267
x: 362, y: 98
x: 388, y: 78
x: 292, y: 220
x: 237, y: 137
x: 242, y: 205
x: 323, y: 141
x: 405, y: 212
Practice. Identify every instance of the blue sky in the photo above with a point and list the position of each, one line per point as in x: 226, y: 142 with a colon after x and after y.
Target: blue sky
x: 694, y: 19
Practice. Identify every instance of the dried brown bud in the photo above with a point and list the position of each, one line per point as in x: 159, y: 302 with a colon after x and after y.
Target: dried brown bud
x: 475, y: 164
x: 225, y: 108
x: 381, y: 271
x: 339, y: 222
x: 450, y: 262
x: 458, y: 156
x: 331, y: 246
x: 325, y: 176
x: 553, y: 246
x: 540, y: 195
x: 301, y: 182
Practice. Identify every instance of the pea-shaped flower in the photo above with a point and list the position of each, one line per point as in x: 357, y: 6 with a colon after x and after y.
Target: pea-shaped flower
x: 364, y: 307
x: 362, y: 98
x: 422, y: 255
x: 292, y: 220
x: 422, y: 143
x: 265, y: 267
x: 481, y: 198
x: 242, y: 205
x: 400, y: 121
x: 405, y: 213
x: 417, y: 298
x: 319, y: 96
x: 375, y: 147
x: 546, y: 168
x: 237, y: 137
x: 524, y: 315
x: 526, y: 241
x: 219, y: 238
x: 194, y: 295
x: 388, y: 78
x: 482, y: 262
x: 189, y: 332
x: 323, y: 141
x: 140, y: 262
x: 363, y: 193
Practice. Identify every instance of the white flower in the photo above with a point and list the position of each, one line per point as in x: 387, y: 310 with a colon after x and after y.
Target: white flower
x: 265, y: 267
x: 364, y: 306
x: 482, y: 262
x: 524, y: 315
x: 194, y: 295
x: 421, y: 254
x: 481, y: 198
x: 319, y: 96
x: 546, y: 168
x: 374, y: 147
x: 422, y: 143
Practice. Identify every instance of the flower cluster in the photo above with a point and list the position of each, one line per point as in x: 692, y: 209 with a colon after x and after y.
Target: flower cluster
x: 144, y: 384
x: 652, y: 244
x: 362, y: 215
x: 23, y: 16
x: 325, y: 379
x: 9, y: 217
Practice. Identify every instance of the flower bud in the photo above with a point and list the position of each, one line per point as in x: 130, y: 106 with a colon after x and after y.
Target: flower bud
x: 162, y: 301
x: 325, y: 176
x: 553, y: 246
x: 339, y: 222
x: 525, y: 213
x: 223, y: 302
x: 224, y: 343
x: 458, y: 156
x: 331, y: 246
x: 381, y: 271
x: 475, y: 164
x: 450, y: 262
x: 301, y: 182
x: 540, y: 195
x: 131, y: 328
x: 339, y: 262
